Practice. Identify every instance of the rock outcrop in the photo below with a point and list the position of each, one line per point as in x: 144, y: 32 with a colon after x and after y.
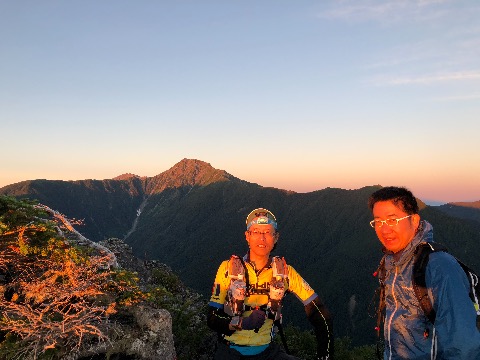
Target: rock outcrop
x: 139, y: 332
x: 146, y: 336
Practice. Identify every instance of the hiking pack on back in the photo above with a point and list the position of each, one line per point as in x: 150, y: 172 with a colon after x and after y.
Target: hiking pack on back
x: 422, y: 255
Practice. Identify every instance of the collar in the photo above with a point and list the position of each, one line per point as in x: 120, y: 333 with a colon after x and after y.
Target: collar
x: 424, y: 234
x: 246, y: 259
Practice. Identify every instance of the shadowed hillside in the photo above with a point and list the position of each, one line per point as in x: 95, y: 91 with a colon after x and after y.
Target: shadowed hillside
x: 107, y: 207
x: 462, y: 210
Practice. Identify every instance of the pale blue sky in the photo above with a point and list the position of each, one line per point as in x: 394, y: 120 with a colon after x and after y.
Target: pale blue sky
x: 299, y: 95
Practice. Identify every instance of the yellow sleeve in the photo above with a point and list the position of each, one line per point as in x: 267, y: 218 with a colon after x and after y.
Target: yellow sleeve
x: 220, y: 286
x: 300, y: 287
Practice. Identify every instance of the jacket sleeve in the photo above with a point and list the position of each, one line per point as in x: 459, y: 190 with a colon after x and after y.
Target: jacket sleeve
x: 455, y: 322
x: 319, y: 317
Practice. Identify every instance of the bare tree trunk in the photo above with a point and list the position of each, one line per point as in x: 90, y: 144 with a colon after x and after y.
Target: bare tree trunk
x: 80, y: 239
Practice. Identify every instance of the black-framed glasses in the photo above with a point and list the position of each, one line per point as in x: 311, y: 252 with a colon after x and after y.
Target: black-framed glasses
x: 390, y: 222
x: 260, y: 233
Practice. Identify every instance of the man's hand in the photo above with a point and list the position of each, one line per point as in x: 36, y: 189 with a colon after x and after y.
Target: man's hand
x: 254, y: 321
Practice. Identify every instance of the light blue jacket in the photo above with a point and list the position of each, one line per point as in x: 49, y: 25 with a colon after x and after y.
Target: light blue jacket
x: 455, y: 335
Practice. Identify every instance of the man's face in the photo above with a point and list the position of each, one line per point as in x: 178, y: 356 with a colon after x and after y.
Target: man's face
x: 394, y: 238
x: 261, y: 239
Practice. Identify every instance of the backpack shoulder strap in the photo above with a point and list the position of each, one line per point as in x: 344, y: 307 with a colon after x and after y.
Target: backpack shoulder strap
x: 421, y: 260
x: 421, y: 257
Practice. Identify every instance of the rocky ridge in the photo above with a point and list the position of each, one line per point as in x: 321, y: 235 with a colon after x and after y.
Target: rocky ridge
x: 148, y: 332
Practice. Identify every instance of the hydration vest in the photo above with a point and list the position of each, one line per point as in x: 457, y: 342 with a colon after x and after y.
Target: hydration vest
x: 240, y: 287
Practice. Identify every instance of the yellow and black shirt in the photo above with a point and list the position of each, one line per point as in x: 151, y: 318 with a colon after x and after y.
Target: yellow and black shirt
x: 257, y: 296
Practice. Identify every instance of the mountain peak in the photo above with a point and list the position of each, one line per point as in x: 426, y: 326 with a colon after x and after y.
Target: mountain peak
x: 190, y: 164
x: 187, y: 172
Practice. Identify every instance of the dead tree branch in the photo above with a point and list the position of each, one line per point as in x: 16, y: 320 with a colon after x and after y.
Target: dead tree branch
x: 82, y: 240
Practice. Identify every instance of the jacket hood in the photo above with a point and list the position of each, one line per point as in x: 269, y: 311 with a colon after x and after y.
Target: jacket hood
x: 424, y: 234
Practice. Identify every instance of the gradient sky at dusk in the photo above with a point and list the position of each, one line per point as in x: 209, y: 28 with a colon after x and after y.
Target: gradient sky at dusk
x: 299, y: 95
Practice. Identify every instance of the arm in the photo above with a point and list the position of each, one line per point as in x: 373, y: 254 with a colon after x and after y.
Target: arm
x: 320, y: 318
x: 219, y: 321
x: 455, y: 323
x: 317, y: 313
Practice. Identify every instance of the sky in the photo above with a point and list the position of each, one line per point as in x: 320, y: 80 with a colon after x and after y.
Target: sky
x: 298, y: 95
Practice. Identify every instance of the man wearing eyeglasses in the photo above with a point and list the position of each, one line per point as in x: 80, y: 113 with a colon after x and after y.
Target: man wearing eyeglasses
x: 245, y: 309
x: 408, y: 332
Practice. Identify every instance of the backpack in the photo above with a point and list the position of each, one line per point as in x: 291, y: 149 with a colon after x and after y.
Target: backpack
x: 421, y: 257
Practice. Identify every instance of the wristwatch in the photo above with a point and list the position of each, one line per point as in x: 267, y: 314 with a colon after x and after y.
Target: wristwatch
x: 236, y: 322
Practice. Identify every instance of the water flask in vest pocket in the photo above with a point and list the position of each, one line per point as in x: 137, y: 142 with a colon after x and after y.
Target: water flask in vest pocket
x: 277, y: 285
x: 237, y: 289
x: 236, y: 293
x: 277, y: 290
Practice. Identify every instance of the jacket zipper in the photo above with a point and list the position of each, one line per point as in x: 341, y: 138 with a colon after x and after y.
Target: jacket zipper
x: 389, y: 325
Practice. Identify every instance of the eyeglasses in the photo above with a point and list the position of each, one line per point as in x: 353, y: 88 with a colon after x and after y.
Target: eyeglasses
x: 260, y: 233
x: 389, y: 222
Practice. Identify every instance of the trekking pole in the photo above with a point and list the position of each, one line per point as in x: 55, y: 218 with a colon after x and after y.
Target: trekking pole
x: 282, y: 337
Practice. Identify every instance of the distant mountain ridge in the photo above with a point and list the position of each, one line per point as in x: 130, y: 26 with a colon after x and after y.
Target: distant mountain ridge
x: 93, y: 200
x: 469, y: 211
x: 474, y: 204
x: 191, y: 217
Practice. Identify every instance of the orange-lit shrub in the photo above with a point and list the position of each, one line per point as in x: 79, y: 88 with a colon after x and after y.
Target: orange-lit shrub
x: 55, y: 294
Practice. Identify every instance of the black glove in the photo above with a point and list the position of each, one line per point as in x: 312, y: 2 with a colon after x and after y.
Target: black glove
x: 254, y: 321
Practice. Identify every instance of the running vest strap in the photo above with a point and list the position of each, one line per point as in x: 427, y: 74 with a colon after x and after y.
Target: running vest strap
x: 277, y: 285
x: 238, y: 274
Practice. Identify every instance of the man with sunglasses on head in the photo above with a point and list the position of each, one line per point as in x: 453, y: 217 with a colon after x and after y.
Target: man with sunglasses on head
x: 245, y: 306
x: 408, y: 332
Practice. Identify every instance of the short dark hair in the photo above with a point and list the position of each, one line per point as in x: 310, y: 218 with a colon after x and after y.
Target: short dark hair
x: 400, y: 196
